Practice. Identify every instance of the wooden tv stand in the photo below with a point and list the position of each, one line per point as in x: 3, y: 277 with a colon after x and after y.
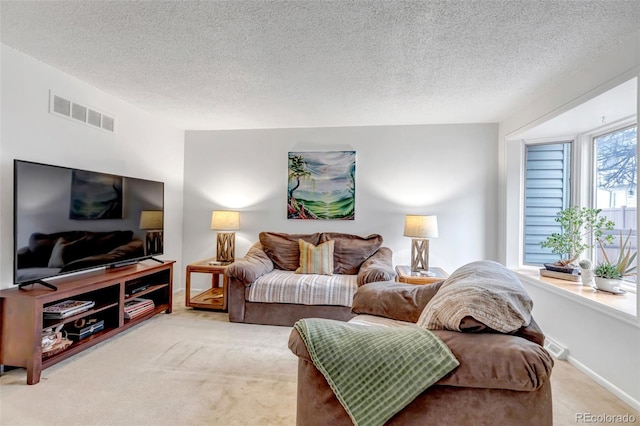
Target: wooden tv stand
x: 22, y: 320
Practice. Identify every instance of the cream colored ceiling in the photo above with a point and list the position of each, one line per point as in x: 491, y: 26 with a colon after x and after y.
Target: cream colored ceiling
x: 269, y: 64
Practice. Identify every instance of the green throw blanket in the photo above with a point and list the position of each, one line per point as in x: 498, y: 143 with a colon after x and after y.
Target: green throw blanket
x: 375, y: 371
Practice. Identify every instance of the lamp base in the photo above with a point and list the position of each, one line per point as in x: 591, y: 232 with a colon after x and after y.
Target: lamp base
x: 419, y: 254
x: 226, y: 247
x: 153, y: 243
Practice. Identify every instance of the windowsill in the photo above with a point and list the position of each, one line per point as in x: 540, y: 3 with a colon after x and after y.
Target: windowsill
x: 623, y: 305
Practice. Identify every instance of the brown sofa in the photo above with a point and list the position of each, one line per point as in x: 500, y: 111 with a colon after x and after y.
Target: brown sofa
x: 363, y: 257
x: 502, y: 379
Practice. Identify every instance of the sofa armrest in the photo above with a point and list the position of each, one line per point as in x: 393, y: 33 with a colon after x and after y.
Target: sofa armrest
x: 378, y: 267
x: 297, y: 346
x: 252, y: 266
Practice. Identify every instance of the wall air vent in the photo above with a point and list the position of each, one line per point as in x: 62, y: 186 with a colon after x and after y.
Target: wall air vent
x: 556, y: 349
x: 90, y: 116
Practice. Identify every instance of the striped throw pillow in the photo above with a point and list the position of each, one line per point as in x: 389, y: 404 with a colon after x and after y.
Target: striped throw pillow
x: 316, y: 259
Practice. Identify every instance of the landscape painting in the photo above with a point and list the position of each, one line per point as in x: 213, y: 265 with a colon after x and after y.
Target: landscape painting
x: 322, y: 185
x: 95, y: 196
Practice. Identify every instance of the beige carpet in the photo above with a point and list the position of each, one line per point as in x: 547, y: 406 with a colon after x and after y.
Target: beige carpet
x: 196, y: 368
x: 186, y: 368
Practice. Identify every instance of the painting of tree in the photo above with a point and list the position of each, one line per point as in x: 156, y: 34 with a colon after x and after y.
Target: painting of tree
x: 321, y: 185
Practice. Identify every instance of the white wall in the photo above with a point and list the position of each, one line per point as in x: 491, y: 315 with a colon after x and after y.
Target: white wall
x: 447, y: 170
x: 141, y: 146
x: 603, y: 344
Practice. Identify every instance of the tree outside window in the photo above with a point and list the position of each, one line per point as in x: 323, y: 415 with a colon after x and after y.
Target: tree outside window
x: 616, y: 164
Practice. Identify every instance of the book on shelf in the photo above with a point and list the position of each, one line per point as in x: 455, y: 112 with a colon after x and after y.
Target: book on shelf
x: 139, y: 312
x: 144, y: 307
x: 67, y: 308
x: 136, y: 303
x: 136, y: 307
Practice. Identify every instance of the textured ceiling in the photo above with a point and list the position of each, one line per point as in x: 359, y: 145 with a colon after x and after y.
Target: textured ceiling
x: 269, y: 64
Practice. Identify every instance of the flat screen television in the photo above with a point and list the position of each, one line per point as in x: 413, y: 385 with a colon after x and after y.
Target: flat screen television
x: 68, y: 220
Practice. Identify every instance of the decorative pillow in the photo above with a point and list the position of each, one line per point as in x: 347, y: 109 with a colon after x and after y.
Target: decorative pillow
x: 283, y: 249
x: 390, y: 299
x: 316, y: 259
x: 485, y: 291
x: 351, y: 250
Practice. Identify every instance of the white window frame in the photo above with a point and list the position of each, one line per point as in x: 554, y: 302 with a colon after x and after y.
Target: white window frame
x: 582, y: 170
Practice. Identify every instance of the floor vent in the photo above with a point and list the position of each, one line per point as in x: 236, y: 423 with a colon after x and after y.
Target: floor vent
x: 558, y: 351
x: 73, y: 110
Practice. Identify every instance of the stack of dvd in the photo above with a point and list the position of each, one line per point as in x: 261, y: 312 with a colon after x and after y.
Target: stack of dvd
x: 137, y: 307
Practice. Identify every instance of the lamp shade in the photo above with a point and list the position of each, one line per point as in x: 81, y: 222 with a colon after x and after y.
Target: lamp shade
x: 416, y: 226
x: 224, y: 220
x: 151, y: 219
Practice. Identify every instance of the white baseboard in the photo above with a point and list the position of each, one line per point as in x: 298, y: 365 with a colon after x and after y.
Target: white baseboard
x: 625, y: 397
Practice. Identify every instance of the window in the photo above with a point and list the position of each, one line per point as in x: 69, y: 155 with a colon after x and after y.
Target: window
x: 616, y: 186
x: 603, y: 171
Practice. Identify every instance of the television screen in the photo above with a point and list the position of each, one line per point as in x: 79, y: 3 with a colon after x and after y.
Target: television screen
x: 67, y: 220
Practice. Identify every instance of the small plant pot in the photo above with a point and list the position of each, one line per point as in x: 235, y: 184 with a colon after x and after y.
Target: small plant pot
x: 607, y: 284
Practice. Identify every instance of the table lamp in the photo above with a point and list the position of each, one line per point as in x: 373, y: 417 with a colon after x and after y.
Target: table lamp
x: 224, y: 220
x: 152, y: 222
x: 420, y: 229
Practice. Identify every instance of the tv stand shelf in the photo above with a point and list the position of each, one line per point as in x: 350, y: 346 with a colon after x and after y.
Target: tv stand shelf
x: 22, y: 321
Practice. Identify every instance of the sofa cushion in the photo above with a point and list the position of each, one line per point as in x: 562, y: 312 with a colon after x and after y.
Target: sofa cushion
x: 283, y: 249
x: 280, y: 286
x: 390, y: 299
x: 316, y: 259
x: 350, y: 250
x: 485, y: 291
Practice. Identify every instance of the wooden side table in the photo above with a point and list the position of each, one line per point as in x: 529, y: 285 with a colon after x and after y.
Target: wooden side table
x: 216, y: 296
x: 406, y: 275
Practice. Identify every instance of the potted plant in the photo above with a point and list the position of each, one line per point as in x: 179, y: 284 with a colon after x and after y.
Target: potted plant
x: 609, y: 273
x: 581, y: 227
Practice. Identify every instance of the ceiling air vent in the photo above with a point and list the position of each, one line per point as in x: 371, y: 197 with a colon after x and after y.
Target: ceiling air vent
x: 70, y: 109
